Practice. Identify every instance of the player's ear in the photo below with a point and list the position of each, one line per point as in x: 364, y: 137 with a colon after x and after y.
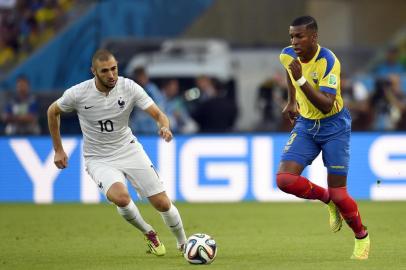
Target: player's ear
x: 314, y: 37
x: 93, y: 70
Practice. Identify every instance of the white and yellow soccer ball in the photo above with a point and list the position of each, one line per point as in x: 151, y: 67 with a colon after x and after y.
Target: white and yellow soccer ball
x: 200, y: 248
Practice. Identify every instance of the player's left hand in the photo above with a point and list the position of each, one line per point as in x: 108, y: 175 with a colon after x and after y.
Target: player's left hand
x: 296, y: 69
x: 165, y: 134
x: 291, y: 112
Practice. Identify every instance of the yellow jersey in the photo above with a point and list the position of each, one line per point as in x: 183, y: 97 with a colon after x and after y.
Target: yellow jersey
x: 323, y: 74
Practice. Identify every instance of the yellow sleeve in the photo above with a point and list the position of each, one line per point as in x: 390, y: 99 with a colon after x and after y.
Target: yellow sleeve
x: 286, y: 56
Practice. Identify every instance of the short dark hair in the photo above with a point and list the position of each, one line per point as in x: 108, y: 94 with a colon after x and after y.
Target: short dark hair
x: 308, y: 21
x: 101, y: 55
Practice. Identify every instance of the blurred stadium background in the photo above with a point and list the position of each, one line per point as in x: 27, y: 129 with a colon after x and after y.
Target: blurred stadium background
x: 213, y: 66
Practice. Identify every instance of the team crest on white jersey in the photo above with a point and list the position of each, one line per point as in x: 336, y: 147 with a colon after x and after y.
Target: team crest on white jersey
x: 121, y: 102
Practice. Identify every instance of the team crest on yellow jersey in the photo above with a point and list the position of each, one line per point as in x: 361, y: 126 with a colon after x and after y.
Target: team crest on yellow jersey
x: 315, y: 77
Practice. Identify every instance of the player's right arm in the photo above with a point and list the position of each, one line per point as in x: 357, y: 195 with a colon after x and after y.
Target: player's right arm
x: 54, y: 120
x: 290, y: 111
x: 322, y: 100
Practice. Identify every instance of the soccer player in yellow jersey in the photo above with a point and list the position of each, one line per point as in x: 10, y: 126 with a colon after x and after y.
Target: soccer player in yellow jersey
x: 321, y: 124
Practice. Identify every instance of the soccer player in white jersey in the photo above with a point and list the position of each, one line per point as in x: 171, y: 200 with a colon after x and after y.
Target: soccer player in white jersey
x: 112, y: 153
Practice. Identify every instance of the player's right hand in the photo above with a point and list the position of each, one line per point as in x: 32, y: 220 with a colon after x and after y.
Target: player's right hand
x: 290, y: 112
x: 61, y: 159
x: 296, y: 69
x: 165, y: 134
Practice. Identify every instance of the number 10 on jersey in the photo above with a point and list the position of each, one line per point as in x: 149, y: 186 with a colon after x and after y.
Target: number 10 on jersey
x: 106, y: 125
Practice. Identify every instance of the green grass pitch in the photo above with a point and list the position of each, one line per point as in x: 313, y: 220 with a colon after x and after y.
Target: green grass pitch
x: 249, y: 235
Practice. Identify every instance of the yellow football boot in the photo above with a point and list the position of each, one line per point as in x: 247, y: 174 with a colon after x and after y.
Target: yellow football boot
x: 361, y: 248
x: 336, y: 221
x: 154, y: 245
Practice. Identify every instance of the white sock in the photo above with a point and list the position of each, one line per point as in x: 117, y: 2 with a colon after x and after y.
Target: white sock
x: 174, y: 222
x: 133, y: 216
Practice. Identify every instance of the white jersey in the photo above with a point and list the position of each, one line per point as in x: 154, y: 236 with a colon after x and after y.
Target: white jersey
x: 104, y: 119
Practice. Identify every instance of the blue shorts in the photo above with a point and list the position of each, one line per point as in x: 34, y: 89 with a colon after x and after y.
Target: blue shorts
x: 330, y: 135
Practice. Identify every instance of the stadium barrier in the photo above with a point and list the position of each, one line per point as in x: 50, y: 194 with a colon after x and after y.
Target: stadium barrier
x: 210, y: 168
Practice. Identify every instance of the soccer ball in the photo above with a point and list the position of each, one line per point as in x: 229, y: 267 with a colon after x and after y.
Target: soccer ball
x: 200, y: 248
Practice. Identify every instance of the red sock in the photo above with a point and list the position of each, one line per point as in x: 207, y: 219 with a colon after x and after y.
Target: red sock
x: 301, y: 187
x: 348, y: 209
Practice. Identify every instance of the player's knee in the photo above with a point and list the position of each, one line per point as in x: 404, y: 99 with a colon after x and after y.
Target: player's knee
x: 285, y: 179
x: 162, y: 204
x: 122, y: 199
x: 280, y: 180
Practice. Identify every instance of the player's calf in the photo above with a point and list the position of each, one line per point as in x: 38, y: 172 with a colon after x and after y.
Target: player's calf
x: 174, y: 222
x: 348, y: 209
x: 301, y: 187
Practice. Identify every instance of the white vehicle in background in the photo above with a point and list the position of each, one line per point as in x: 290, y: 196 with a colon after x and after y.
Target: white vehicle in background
x: 186, y: 58
x: 239, y: 71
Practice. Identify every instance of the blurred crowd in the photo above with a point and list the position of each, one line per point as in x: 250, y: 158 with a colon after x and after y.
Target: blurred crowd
x: 204, y: 108
x: 208, y: 107
x: 26, y: 24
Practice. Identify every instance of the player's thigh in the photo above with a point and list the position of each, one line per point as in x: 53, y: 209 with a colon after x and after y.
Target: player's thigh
x: 336, y: 154
x: 104, y: 175
x: 144, y: 176
x: 300, y: 150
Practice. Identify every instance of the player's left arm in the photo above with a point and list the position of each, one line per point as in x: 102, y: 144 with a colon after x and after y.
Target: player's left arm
x: 162, y: 121
x: 321, y: 100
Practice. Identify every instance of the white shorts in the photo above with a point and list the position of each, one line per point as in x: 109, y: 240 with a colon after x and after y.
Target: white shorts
x: 131, y: 163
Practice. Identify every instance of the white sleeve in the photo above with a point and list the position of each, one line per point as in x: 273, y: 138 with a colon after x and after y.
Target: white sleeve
x: 67, y: 102
x: 140, y: 97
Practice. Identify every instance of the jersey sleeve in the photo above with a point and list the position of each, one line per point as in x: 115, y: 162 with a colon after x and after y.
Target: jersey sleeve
x: 67, y: 102
x: 330, y: 81
x: 140, y: 97
x: 286, y: 57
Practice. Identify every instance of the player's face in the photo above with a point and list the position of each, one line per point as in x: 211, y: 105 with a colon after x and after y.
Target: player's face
x: 302, y: 40
x: 106, y: 72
